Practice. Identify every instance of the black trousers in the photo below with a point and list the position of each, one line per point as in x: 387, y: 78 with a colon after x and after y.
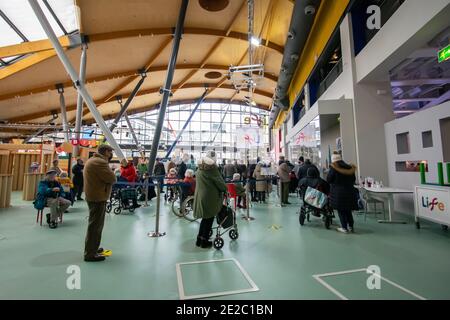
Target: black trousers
x: 78, y: 189
x: 205, y: 228
x: 95, y: 228
x: 261, y: 196
x: 346, y: 218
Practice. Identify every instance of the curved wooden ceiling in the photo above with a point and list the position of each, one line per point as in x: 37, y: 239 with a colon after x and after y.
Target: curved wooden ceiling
x: 125, y: 36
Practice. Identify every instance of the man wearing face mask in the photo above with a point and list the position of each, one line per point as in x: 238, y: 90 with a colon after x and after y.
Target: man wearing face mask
x: 98, y: 181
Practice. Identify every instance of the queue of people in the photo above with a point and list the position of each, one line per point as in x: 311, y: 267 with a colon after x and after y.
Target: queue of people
x: 204, y: 180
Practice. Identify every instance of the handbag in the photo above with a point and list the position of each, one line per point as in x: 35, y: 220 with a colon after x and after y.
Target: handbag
x: 315, y: 198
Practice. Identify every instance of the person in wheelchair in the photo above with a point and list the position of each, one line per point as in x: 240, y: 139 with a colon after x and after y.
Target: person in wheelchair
x: 313, y: 180
x: 171, y: 179
x: 122, y: 183
x: 240, y: 191
x: 150, y: 189
x: 188, y: 186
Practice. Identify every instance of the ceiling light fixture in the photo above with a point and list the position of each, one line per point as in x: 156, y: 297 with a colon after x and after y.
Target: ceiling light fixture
x: 255, y: 41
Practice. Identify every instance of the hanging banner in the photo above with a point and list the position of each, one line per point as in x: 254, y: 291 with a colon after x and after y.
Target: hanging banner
x: 249, y: 136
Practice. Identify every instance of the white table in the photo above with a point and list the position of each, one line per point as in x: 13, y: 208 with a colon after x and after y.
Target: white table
x: 389, y: 193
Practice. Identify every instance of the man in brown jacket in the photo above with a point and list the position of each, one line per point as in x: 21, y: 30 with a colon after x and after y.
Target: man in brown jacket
x: 283, y: 173
x: 98, y: 181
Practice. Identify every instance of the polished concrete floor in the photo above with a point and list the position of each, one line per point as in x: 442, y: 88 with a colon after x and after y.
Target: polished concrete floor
x: 278, y: 254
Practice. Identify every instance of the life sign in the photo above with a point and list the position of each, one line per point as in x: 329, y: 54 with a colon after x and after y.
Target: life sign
x: 444, y: 54
x: 433, y: 203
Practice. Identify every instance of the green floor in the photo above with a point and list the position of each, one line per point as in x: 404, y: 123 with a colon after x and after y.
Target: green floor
x: 279, y: 255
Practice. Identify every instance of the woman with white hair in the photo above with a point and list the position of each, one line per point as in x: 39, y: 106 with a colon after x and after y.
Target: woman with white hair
x: 188, y: 184
x: 208, y: 197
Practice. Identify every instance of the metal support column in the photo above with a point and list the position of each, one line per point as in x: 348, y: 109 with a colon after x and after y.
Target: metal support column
x: 124, y: 107
x: 73, y: 75
x: 168, y: 84
x: 133, y: 134
x: 199, y: 102
x: 79, y: 115
x: 62, y: 103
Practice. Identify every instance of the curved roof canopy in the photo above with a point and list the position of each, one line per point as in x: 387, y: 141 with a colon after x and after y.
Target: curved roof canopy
x: 126, y: 36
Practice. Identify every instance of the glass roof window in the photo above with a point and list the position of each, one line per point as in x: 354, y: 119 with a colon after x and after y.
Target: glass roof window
x: 18, y: 22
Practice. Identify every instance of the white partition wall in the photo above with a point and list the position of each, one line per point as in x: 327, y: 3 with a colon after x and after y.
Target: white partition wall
x: 415, y: 129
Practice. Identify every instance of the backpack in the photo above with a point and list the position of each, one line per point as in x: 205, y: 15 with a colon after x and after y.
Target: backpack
x: 315, y: 198
x: 225, y: 217
x: 39, y: 202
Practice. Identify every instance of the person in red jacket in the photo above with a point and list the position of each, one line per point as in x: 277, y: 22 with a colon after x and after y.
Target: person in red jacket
x: 128, y: 171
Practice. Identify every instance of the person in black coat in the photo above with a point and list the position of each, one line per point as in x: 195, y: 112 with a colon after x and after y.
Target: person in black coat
x: 303, y: 170
x: 313, y: 180
x: 343, y: 196
x: 77, y: 179
x: 160, y: 172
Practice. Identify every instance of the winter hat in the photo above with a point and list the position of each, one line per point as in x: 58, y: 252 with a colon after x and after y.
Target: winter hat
x: 236, y: 177
x: 336, y: 157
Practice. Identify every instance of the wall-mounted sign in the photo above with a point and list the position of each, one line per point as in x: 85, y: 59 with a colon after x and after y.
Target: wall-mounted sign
x: 249, y: 137
x: 444, y: 54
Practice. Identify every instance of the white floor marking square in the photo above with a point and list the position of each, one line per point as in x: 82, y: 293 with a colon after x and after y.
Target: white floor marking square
x: 181, y: 292
x: 319, y: 277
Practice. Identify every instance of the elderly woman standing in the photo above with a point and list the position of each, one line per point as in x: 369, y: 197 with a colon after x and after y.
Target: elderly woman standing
x: 261, y: 183
x: 343, y: 194
x: 208, y: 196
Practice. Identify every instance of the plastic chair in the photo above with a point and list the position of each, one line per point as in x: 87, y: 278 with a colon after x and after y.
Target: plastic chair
x: 232, y: 193
x: 367, y: 199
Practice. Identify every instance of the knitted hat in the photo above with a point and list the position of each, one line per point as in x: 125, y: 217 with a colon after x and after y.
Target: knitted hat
x: 336, y: 157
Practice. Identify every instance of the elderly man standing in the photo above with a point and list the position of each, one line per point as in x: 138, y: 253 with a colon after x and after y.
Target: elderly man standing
x: 98, y: 181
x: 283, y: 173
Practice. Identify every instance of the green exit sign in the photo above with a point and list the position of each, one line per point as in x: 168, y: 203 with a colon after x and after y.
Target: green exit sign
x: 444, y: 54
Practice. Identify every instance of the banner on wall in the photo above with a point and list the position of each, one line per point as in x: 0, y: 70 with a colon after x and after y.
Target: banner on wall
x: 249, y: 136
x: 306, y: 137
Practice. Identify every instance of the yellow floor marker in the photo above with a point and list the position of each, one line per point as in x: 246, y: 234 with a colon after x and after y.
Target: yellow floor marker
x: 106, y: 253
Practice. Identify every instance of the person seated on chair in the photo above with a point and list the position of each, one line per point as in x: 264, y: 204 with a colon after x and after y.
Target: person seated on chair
x: 188, y: 184
x: 240, y: 191
x: 54, y: 194
x: 123, y: 183
x: 67, y: 186
x: 313, y: 180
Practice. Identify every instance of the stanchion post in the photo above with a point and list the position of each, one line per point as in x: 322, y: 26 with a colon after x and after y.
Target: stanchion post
x: 156, y: 233
x: 146, y: 192
x: 247, y: 199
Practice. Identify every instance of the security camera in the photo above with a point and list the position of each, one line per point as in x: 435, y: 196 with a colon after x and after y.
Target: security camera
x: 310, y: 10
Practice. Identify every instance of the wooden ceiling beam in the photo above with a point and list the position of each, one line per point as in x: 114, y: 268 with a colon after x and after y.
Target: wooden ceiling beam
x: 124, y: 74
x: 57, y: 110
x: 25, y: 63
x: 31, y: 47
x: 214, y: 47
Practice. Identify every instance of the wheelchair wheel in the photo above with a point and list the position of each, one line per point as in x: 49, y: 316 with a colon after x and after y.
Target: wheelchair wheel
x: 218, y: 243
x: 117, y: 210
x: 187, y: 209
x: 131, y: 209
x: 302, y: 218
x: 233, y: 234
